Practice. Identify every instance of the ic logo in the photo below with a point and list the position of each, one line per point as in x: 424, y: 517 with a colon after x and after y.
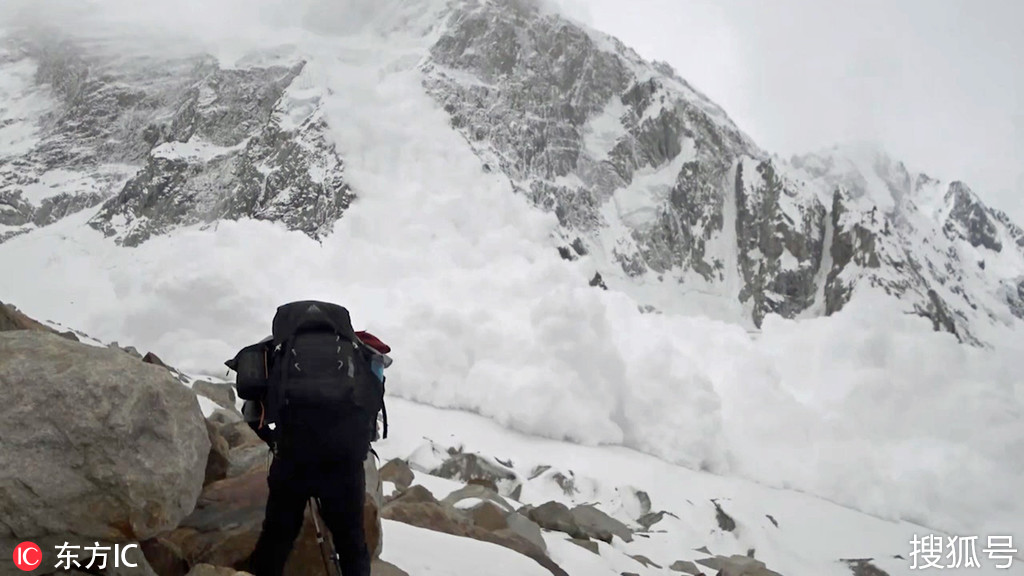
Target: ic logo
x: 27, y: 556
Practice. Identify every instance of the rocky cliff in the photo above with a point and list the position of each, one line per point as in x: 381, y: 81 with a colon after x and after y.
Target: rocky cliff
x: 652, y: 183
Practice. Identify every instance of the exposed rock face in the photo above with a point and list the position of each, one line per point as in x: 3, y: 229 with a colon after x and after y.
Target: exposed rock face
x: 652, y: 182
x: 781, y: 238
x: 169, y: 142
x: 608, y: 143
x: 969, y: 219
x: 96, y: 443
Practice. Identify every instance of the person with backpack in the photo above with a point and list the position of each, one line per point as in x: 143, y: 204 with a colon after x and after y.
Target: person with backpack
x: 318, y: 388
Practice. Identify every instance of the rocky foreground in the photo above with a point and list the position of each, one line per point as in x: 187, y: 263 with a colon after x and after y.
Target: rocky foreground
x: 105, y: 445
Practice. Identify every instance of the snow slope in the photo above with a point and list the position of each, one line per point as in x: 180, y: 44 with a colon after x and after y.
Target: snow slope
x: 869, y: 409
x: 803, y: 536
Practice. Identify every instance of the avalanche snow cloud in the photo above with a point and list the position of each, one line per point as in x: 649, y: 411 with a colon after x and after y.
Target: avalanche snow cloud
x: 869, y: 408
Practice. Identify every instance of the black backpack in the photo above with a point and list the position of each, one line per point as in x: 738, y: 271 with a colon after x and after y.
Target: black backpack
x: 317, y: 395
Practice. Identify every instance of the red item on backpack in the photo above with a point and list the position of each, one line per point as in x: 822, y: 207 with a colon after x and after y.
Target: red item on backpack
x: 373, y: 342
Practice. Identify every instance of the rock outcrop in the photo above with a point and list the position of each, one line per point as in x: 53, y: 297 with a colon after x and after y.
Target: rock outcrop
x: 96, y: 443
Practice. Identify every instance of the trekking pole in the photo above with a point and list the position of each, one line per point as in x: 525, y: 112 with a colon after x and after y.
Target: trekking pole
x: 328, y: 553
x: 314, y: 511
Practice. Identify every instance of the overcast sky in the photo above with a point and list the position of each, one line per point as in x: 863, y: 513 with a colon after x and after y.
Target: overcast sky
x: 939, y: 83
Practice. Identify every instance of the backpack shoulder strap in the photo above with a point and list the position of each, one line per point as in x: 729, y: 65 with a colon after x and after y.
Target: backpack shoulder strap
x: 384, y: 409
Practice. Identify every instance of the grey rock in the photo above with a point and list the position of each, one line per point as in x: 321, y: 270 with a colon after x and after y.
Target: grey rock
x: 218, y: 461
x: 526, y: 529
x: 479, y: 492
x: 685, y: 566
x: 398, y: 472
x: 373, y: 503
x: 222, y: 394
x: 466, y: 467
x: 96, y: 443
x: 222, y: 417
x: 600, y: 526
x: 650, y: 519
x: 555, y: 516
x: 237, y: 433
x: 645, y: 561
x: 488, y: 515
x: 737, y: 566
x: 864, y: 567
x: 566, y: 480
x: 246, y: 458
x: 725, y: 522
x: 587, y: 545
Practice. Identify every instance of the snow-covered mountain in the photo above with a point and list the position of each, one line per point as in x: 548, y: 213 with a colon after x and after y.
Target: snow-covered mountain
x: 673, y: 202
x: 462, y: 175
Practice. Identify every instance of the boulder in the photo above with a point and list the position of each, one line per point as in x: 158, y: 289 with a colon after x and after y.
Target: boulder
x: 382, y: 568
x: 645, y: 561
x: 526, y: 529
x: 489, y: 516
x: 398, y: 472
x: 218, y: 461
x: 95, y: 443
x: 372, y: 504
x: 513, y: 520
x: 587, y: 545
x: 600, y: 526
x: 220, y: 417
x: 651, y: 518
x: 165, y: 557
x: 221, y: 394
x: 864, y: 567
x: 479, y: 492
x: 725, y: 522
x: 686, y: 567
x: 228, y: 518
x: 635, y: 503
x: 737, y: 565
x: 210, y: 570
x: 466, y: 467
x: 247, y: 459
x: 565, y: 480
x: 418, y: 507
x: 238, y: 433
x: 151, y: 358
x: 11, y: 319
x: 554, y: 516
x: 483, y: 483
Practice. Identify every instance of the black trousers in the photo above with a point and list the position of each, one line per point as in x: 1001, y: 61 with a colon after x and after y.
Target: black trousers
x: 340, y: 486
